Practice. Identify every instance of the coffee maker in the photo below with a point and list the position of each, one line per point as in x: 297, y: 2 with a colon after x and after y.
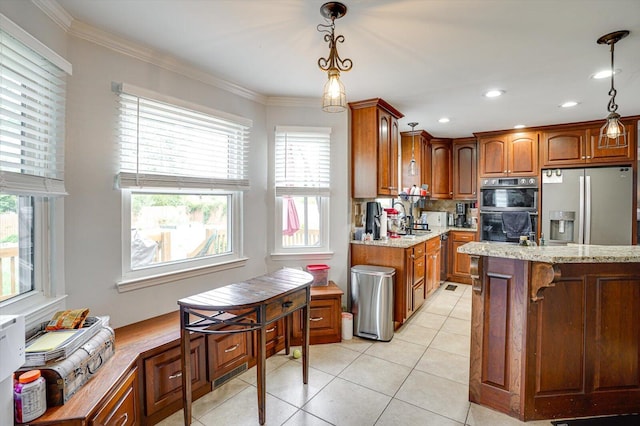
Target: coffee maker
x: 460, y: 214
x: 372, y: 219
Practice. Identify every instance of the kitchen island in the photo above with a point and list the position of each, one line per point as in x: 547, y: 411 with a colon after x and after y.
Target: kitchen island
x: 555, y: 330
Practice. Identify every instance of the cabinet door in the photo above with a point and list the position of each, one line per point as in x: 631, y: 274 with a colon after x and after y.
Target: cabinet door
x: 441, y: 180
x: 408, y: 283
x: 563, y: 147
x: 121, y: 409
x: 610, y: 155
x: 523, y: 155
x: 387, y: 154
x: 427, y: 165
x: 433, y: 265
x: 163, y: 375
x: 459, y: 263
x: 464, y: 171
x: 493, y: 156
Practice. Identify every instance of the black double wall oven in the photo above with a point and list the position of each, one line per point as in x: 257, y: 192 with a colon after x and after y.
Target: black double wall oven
x: 499, y: 195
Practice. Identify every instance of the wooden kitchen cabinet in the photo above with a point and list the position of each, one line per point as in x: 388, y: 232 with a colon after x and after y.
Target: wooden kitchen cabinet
x: 432, y: 275
x: 577, y: 146
x: 163, y: 382
x: 417, y: 268
x: 374, y: 149
x: 459, y: 263
x: 121, y: 407
x: 325, y: 316
x: 410, y: 279
x: 441, y: 169
x: 465, y: 166
x: 508, y: 154
x: 422, y: 153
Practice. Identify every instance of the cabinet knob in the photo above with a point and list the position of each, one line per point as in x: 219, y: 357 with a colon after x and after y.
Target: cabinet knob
x: 508, y: 171
x: 474, y: 192
x: 505, y: 172
x: 583, y: 157
x: 588, y: 156
x: 451, y: 193
x: 413, y: 256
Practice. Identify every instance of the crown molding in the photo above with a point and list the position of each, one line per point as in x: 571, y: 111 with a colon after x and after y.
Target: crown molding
x: 283, y: 101
x: 89, y: 33
x: 55, y: 12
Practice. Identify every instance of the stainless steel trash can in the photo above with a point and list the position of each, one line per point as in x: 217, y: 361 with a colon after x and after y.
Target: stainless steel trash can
x: 372, y: 301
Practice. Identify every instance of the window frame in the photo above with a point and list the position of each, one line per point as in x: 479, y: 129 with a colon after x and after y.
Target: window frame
x: 324, y: 193
x: 172, y: 271
x: 47, y: 295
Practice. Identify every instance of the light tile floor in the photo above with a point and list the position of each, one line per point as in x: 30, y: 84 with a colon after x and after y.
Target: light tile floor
x: 420, y: 377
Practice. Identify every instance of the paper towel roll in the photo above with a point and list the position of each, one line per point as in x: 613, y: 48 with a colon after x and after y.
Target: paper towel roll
x: 383, y: 225
x: 347, y: 326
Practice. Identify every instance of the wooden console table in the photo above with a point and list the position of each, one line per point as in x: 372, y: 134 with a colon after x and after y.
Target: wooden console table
x: 247, y: 306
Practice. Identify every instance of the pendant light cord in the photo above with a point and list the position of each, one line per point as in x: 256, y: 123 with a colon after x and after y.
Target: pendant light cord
x: 612, y: 107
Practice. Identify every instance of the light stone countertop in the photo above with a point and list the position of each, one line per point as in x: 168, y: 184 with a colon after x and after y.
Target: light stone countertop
x: 573, y: 253
x: 408, y: 241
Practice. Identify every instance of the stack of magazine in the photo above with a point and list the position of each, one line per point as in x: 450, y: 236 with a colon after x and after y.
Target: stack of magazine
x: 44, y: 346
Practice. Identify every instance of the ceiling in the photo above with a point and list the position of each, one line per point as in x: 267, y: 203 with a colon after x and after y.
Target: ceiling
x: 427, y: 58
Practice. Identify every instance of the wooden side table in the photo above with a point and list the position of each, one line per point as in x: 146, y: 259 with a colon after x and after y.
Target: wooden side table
x: 325, y: 316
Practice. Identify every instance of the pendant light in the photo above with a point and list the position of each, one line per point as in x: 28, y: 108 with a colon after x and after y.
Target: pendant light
x: 612, y: 133
x: 413, y: 166
x: 333, y: 96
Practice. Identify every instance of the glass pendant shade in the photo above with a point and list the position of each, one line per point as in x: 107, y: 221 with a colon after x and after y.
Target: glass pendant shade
x: 334, y: 98
x: 413, y: 167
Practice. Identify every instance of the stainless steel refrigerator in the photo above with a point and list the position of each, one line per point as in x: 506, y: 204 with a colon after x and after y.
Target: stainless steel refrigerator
x: 587, y: 206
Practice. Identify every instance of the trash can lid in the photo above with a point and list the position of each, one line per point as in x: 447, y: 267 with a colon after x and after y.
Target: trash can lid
x: 373, y: 270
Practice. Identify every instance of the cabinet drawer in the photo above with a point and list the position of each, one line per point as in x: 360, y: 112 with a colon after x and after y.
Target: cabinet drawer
x: 418, y: 295
x: 418, y: 270
x: 275, y: 337
x: 418, y: 250
x: 285, y: 305
x: 325, y: 322
x: 433, y: 244
x: 227, y: 351
x: 464, y: 236
x: 121, y: 409
x: 163, y: 375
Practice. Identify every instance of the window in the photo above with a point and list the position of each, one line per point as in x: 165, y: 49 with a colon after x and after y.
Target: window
x: 32, y: 116
x: 183, y: 170
x: 302, y: 181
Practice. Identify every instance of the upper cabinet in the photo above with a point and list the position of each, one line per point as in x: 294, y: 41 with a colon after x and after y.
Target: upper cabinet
x: 441, y: 169
x: 465, y: 169
x: 509, y: 154
x: 374, y: 149
x: 579, y: 145
x: 416, y: 143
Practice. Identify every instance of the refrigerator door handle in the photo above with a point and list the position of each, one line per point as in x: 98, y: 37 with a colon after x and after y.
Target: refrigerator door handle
x: 581, y: 212
x: 587, y: 223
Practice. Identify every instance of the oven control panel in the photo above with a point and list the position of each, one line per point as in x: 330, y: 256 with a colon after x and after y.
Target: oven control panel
x: 506, y: 182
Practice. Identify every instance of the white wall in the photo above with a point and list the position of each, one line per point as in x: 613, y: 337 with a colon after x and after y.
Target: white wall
x: 92, y: 210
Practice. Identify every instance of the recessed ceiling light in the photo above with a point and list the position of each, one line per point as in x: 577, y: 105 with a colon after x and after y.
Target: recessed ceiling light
x: 443, y: 120
x: 494, y: 93
x: 519, y: 126
x: 569, y: 104
x: 604, y: 74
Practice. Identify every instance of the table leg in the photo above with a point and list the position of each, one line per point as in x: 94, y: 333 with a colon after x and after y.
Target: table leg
x: 287, y: 333
x: 305, y: 344
x: 185, y: 360
x: 261, y: 369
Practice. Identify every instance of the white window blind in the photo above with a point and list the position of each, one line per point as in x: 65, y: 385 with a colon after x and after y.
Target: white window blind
x: 164, y: 144
x: 302, y: 161
x: 32, y: 114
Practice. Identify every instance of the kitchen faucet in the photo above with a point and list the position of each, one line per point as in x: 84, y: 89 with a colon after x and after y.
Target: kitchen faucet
x: 408, y: 219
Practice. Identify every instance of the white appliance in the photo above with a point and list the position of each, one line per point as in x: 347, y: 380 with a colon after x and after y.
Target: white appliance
x: 436, y: 219
x: 587, y: 206
x: 12, y: 356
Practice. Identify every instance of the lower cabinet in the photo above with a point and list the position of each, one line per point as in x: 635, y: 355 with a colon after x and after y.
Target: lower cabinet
x: 432, y: 276
x: 459, y: 263
x: 122, y: 406
x: 163, y: 379
x: 325, y: 316
x: 416, y: 289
